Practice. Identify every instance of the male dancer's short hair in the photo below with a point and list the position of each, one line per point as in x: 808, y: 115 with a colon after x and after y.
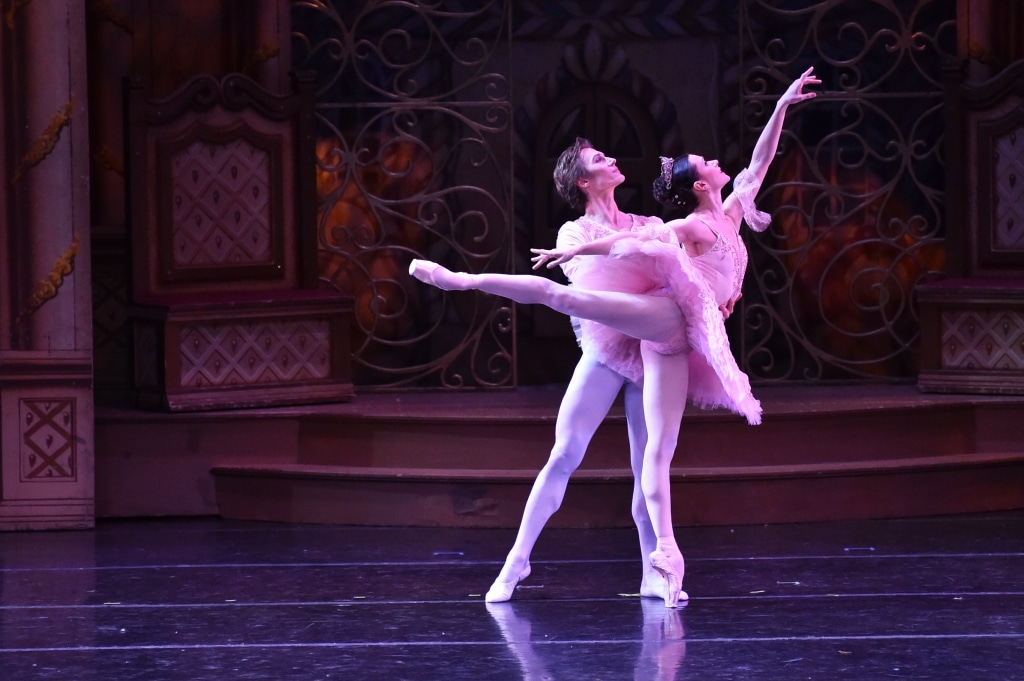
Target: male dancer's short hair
x: 568, y: 172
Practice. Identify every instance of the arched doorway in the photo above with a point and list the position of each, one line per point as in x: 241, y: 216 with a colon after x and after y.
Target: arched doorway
x: 622, y: 127
x: 617, y: 124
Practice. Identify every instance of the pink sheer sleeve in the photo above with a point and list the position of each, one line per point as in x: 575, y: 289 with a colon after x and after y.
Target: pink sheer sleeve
x: 745, y: 188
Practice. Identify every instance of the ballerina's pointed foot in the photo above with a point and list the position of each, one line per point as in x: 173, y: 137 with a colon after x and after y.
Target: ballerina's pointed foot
x: 672, y: 572
x: 652, y: 585
x: 436, y: 275
x: 502, y: 591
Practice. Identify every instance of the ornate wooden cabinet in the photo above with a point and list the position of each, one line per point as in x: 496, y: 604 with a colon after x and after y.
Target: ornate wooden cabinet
x: 973, y: 320
x: 226, y: 307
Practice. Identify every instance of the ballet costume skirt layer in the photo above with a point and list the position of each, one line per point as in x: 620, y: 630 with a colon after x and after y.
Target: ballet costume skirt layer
x: 655, y: 264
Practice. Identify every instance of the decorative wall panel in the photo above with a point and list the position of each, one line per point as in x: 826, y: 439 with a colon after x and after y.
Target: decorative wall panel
x: 982, y: 339
x: 262, y: 352
x: 46, y: 425
x: 219, y: 211
x: 48, y: 439
x: 225, y: 354
x: 1008, y: 222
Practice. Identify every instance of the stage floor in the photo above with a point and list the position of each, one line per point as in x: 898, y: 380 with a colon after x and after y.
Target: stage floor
x: 932, y: 598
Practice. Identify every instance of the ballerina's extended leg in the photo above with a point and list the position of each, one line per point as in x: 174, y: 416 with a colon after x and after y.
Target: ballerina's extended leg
x: 647, y: 317
x: 441, y: 277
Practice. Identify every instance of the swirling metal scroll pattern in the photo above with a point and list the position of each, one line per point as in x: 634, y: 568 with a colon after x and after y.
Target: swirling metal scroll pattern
x: 412, y: 161
x: 856, y: 191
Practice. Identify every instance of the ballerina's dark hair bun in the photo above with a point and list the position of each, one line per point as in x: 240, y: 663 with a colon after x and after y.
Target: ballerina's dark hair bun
x: 674, y: 186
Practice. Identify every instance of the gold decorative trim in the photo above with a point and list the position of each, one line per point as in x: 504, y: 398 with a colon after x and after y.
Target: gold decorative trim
x: 103, y: 10
x: 42, y: 147
x: 263, y: 54
x: 14, y: 7
x: 47, y: 289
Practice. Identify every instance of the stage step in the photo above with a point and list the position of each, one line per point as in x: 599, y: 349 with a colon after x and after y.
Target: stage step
x: 469, y: 460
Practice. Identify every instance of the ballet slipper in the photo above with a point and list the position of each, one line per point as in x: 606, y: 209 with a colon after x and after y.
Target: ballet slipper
x: 502, y: 591
x: 435, y: 275
x: 672, y: 574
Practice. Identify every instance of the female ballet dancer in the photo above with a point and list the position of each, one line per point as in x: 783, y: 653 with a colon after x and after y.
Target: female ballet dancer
x: 671, y: 288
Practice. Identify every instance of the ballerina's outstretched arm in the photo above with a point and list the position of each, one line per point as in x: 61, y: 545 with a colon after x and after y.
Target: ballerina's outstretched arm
x: 740, y: 203
x: 768, y: 142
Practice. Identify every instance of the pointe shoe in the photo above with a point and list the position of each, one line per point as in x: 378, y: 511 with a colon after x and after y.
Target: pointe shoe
x: 502, y: 591
x: 673, y: 579
x: 424, y: 271
x: 652, y: 585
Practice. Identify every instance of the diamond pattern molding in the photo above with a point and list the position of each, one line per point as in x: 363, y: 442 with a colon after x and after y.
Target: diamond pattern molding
x: 982, y: 339
x: 220, y: 212
x: 236, y: 354
x: 1009, y: 177
x: 48, y: 440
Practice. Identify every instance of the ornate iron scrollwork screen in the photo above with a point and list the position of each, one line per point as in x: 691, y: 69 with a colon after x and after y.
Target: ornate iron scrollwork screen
x: 414, y: 158
x: 856, y: 191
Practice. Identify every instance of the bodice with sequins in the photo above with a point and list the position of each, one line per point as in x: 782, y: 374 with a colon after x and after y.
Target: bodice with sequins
x: 723, y: 266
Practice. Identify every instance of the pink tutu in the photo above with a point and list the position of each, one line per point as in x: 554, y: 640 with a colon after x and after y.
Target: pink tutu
x: 664, y: 269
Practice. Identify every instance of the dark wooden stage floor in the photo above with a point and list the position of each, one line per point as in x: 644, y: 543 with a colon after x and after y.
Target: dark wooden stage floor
x: 933, y: 598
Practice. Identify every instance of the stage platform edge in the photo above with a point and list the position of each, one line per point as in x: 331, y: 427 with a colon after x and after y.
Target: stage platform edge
x: 468, y: 459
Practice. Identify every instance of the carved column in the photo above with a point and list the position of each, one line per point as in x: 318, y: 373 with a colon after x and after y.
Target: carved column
x: 46, y: 400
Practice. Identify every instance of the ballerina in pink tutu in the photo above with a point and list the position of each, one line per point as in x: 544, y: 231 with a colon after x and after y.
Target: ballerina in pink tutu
x: 671, y: 286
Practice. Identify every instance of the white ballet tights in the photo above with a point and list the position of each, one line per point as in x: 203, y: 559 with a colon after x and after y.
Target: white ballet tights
x: 665, y: 383
x: 648, y: 318
x: 652, y: 318
x: 589, y: 396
